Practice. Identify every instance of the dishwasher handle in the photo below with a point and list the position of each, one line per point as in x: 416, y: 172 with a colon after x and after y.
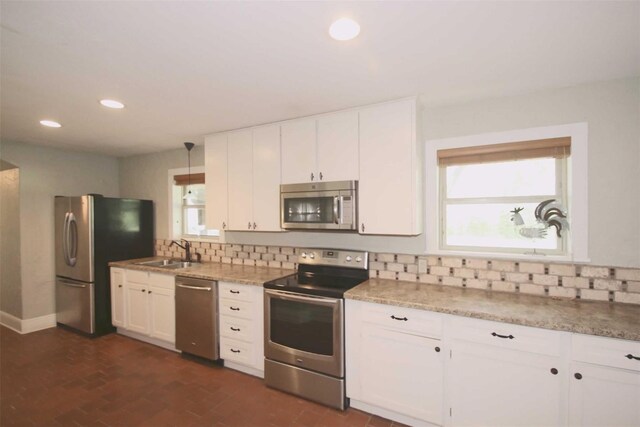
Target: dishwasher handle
x: 195, y: 288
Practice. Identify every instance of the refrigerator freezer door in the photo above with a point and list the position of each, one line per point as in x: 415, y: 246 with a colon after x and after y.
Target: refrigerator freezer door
x: 74, y: 237
x: 74, y: 304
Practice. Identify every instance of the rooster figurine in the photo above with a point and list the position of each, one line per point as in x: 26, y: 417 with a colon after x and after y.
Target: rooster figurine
x: 548, y: 214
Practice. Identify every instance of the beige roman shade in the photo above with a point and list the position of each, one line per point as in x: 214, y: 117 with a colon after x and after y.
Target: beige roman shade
x: 196, y: 178
x: 552, y: 147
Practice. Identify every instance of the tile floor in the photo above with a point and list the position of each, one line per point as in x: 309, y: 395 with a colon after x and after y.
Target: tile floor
x: 57, y: 378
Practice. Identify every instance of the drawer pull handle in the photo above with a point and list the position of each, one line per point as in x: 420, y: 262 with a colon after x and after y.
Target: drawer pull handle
x: 235, y: 351
x: 554, y: 371
x: 235, y: 308
x: 631, y: 356
x: 399, y: 318
x: 437, y: 349
x: 502, y: 336
x: 234, y: 292
x: 578, y: 375
x: 235, y: 329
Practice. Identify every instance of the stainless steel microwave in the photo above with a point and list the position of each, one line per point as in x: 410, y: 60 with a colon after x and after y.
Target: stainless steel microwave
x: 319, y: 206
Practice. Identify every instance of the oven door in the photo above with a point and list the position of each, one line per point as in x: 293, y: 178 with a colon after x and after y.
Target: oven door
x: 305, y: 331
x: 319, y: 210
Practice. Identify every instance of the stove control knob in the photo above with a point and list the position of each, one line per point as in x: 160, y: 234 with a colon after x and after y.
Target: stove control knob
x: 304, y: 254
x: 358, y: 259
x: 348, y: 258
x: 312, y: 255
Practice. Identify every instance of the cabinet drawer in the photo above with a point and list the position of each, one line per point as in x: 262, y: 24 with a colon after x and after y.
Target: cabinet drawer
x: 404, y: 319
x: 236, y: 308
x: 509, y: 336
x: 165, y: 281
x: 236, y: 328
x: 137, y: 276
x: 605, y: 351
x: 236, y: 351
x: 236, y: 292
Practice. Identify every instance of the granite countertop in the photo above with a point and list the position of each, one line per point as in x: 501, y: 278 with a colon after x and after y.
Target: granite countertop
x: 245, y: 274
x: 613, y: 320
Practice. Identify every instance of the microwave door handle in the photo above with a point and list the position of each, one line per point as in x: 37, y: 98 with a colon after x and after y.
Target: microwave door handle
x: 336, y: 217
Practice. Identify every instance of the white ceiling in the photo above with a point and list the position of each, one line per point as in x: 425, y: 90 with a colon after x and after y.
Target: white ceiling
x: 186, y: 69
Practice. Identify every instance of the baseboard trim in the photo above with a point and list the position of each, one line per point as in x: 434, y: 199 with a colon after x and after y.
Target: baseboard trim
x: 148, y: 339
x: 25, y: 326
x: 391, y: 415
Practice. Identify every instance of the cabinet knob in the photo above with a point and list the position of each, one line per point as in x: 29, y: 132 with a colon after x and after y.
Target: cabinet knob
x: 149, y: 291
x: 119, y: 286
x: 437, y: 349
x: 144, y: 290
x: 224, y: 225
x: 554, y: 371
x: 312, y: 176
x: 362, y: 227
x: 320, y: 176
x: 254, y: 226
x: 249, y: 227
x: 578, y: 375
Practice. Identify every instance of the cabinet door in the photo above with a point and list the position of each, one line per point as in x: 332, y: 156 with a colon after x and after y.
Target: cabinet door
x: 493, y: 386
x: 163, y: 314
x: 299, y: 151
x: 117, y: 297
x: 240, y: 155
x: 215, y: 164
x: 338, y: 147
x: 402, y: 372
x: 266, y: 178
x: 603, y: 396
x: 389, y: 170
x: 137, y: 307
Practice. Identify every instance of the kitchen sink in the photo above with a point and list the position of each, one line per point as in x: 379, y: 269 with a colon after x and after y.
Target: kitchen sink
x: 166, y: 263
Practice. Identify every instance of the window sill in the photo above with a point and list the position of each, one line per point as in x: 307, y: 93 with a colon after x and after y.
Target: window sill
x: 511, y: 256
x: 206, y: 239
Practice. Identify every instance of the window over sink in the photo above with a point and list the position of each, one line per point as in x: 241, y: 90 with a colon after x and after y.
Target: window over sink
x: 187, y: 204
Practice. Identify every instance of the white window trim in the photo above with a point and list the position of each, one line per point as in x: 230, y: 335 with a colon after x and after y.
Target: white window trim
x: 577, y: 187
x: 176, y: 233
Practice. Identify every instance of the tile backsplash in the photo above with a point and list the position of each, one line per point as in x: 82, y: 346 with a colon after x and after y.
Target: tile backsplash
x: 574, y: 281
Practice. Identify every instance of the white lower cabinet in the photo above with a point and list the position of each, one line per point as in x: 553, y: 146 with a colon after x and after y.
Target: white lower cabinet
x: 395, y: 362
x: 241, y: 327
x: 117, y: 297
x: 145, y: 302
x: 604, y: 382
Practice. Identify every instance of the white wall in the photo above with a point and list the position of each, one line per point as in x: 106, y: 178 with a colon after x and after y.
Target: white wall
x: 45, y: 173
x: 146, y: 176
x: 612, y: 110
x: 10, y: 280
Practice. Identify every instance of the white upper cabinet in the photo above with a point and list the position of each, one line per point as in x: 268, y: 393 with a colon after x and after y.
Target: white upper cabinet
x: 299, y: 151
x: 320, y: 149
x: 338, y: 146
x: 254, y: 179
x: 215, y: 163
x: 240, y: 155
x: 390, y: 173
x: 266, y: 178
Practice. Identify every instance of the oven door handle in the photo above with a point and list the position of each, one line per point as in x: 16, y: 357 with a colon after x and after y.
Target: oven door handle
x: 297, y: 297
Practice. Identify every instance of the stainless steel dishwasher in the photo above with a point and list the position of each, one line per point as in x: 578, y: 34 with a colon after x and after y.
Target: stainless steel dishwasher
x: 196, y: 317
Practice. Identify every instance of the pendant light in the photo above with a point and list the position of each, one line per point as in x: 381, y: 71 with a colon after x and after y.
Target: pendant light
x: 189, y: 146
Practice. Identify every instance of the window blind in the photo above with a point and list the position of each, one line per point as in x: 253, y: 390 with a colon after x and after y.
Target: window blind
x: 196, y: 178
x: 552, y: 147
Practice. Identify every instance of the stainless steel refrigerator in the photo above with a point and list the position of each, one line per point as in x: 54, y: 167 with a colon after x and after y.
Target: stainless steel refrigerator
x: 90, y: 232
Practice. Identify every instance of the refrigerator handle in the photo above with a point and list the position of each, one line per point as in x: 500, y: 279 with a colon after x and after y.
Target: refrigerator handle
x: 72, y: 231
x: 65, y: 238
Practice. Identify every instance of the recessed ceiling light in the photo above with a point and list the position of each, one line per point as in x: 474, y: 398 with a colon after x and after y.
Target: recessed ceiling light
x: 111, y: 103
x: 50, y: 123
x: 344, y: 29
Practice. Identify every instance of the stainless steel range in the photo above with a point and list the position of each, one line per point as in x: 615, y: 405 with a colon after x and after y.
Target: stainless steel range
x: 304, y: 324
